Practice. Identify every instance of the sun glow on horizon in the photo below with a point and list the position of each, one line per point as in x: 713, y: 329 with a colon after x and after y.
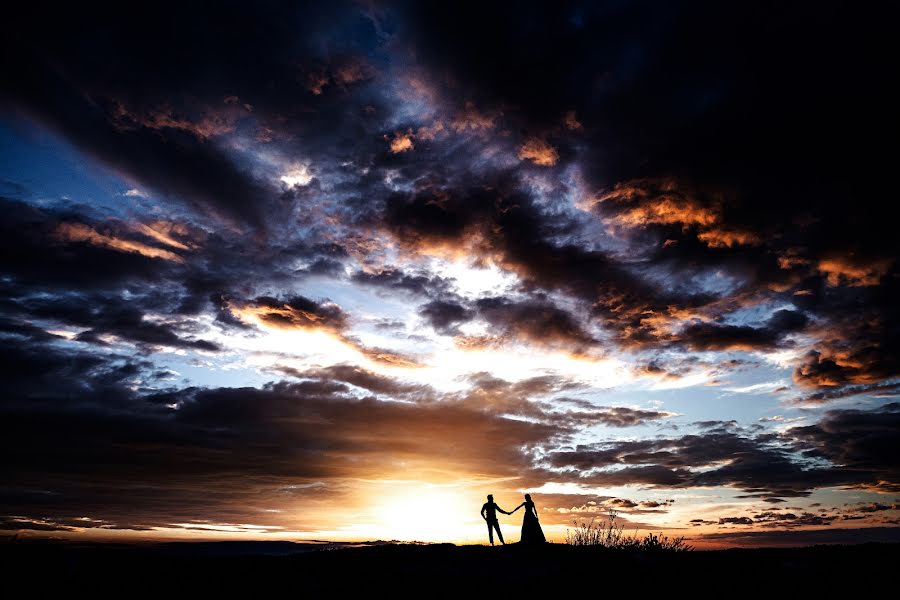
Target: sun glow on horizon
x: 424, y: 515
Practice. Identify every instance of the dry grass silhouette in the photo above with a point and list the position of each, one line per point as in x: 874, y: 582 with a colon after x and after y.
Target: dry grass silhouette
x: 610, y: 534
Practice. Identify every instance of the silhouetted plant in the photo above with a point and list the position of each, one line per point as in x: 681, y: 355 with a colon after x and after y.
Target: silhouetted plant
x: 610, y: 534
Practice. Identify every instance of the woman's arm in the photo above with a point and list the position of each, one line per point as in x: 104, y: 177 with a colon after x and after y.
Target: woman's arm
x: 516, y: 508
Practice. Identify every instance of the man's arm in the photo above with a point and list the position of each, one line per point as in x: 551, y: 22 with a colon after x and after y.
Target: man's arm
x: 483, y: 508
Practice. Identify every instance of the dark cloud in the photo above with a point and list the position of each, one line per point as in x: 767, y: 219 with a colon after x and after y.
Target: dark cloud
x: 735, y: 521
x: 535, y: 321
x: 857, y: 440
x: 662, y: 105
x: 221, y: 437
x: 445, y: 316
x: 765, y: 466
x: 155, y: 116
x: 360, y: 378
x: 873, y: 507
x: 109, y: 277
x: 622, y: 416
x: 881, y: 390
x: 298, y: 312
x: 394, y: 279
x: 710, y: 336
x: 219, y: 453
x: 172, y: 161
x: 790, y: 520
x: 712, y: 206
x: 655, y: 113
x: 33, y: 257
x: 504, y: 223
x: 652, y: 504
x: 103, y: 315
x: 837, y: 367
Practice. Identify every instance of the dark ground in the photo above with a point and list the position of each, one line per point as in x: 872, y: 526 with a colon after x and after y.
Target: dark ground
x: 430, y: 571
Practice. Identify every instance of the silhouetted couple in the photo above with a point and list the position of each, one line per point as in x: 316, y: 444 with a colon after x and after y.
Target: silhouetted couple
x: 531, y: 527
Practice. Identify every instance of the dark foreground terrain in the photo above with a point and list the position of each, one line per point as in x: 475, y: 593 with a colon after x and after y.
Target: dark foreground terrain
x: 430, y: 571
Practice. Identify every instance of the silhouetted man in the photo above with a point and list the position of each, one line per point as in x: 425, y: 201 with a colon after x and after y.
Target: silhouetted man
x: 489, y: 514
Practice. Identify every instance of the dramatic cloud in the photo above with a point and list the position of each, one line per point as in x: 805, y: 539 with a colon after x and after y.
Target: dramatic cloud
x: 298, y: 312
x: 77, y: 232
x: 226, y: 438
x: 764, y: 465
x: 260, y: 263
x: 857, y: 441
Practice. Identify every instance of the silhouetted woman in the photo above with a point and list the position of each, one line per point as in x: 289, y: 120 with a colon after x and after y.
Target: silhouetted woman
x: 531, y: 527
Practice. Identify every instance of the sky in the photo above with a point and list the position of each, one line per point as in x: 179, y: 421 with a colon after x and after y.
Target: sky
x: 338, y: 270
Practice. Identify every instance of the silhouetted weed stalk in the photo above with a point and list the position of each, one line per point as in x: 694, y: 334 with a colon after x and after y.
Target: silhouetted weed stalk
x: 610, y: 534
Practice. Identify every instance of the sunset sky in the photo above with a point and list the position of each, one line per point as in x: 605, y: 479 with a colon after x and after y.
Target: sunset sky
x: 336, y: 271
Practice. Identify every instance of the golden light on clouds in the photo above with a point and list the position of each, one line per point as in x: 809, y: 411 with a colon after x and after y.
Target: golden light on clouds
x: 163, y: 232
x: 300, y: 339
x: 539, y: 152
x: 727, y: 238
x: 401, y: 142
x: 853, y: 272
x: 79, y: 232
x: 284, y: 316
x: 667, y: 210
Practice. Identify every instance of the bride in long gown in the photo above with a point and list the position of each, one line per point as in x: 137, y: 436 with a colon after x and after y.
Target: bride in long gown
x: 531, y: 527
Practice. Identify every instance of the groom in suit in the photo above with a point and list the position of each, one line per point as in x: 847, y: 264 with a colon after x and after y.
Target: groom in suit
x: 489, y: 514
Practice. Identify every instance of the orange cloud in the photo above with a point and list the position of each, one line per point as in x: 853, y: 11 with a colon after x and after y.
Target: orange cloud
x: 666, y: 210
x: 162, y: 231
x: 386, y: 357
x: 299, y: 313
x: 402, y: 142
x: 727, y: 238
x: 79, y: 232
x: 305, y: 314
x: 835, y: 367
x: 853, y: 272
x: 791, y: 260
x: 644, y: 202
x: 539, y: 152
